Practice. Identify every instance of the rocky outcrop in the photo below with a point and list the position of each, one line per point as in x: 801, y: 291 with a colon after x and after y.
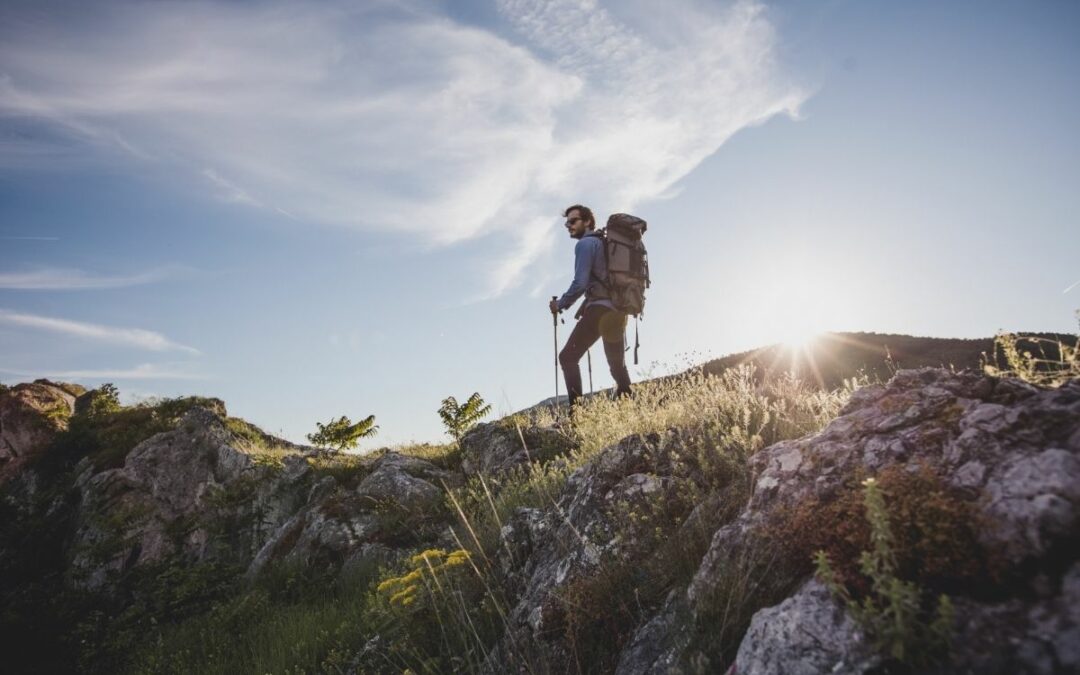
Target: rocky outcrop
x: 1014, y: 449
x: 547, y: 552
x: 175, y: 495
x: 398, y: 504
x: 498, y: 447
x: 30, y: 417
x: 1016, y: 445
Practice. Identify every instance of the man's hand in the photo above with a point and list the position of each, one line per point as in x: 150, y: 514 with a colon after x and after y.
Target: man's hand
x: 554, y: 306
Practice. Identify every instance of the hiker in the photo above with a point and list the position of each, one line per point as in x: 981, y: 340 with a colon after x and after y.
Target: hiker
x: 597, y: 317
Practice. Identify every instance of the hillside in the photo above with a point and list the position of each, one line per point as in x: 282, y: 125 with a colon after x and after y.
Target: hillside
x: 671, y: 532
x: 830, y: 358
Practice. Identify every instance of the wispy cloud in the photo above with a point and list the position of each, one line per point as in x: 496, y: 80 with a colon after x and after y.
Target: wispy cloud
x: 145, y: 371
x: 127, y: 337
x: 21, y: 238
x: 393, y: 116
x: 54, y: 279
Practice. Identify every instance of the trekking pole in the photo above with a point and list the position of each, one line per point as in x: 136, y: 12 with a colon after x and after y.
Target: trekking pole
x: 588, y: 357
x: 555, y: 332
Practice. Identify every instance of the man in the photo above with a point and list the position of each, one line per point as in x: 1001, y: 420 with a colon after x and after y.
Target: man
x: 597, y: 317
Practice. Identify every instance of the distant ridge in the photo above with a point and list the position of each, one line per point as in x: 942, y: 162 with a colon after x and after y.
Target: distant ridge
x: 830, y: 358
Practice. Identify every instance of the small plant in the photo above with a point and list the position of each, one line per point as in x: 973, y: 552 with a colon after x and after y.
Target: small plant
x: 342, y: 434
x: 459, y: 418
x: 893, y: 613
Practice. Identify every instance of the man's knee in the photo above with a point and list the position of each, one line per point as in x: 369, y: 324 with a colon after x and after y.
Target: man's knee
x: 567, y: 358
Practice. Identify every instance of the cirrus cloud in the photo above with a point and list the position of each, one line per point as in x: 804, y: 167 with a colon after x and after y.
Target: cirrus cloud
x: 127, y: 337
x: 394, y: 116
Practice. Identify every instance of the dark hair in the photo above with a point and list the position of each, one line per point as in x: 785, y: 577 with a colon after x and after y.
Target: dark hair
x: 585, y: 211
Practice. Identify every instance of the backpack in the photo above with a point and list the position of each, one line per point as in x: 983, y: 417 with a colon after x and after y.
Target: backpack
x: 627, y: 263
x: 628, y: 267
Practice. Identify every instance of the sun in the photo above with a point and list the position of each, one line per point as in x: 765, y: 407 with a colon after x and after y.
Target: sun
x: 800, y: 338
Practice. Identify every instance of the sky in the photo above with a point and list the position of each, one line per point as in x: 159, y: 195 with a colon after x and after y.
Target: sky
x: 325, y: 208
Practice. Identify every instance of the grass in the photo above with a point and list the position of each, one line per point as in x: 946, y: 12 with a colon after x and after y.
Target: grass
x: 1034, y: 359
x: 729, y: 416
x: 291, y: 621
x: 722, y: 421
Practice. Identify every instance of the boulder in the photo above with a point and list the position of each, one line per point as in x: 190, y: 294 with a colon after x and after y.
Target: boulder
x: 410, y: 483
x: 498, y: 447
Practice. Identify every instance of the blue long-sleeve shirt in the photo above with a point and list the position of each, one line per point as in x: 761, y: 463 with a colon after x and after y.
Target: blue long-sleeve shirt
x: 589, y: 266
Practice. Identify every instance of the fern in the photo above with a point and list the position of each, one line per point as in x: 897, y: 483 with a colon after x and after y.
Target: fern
x: 459, y: 418
x: 341, y: 434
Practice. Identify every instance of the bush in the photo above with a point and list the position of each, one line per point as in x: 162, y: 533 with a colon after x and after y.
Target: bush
x: 459, y: 418
x: 934, y: 526
x: 342, y: 434
x: 894, y: 613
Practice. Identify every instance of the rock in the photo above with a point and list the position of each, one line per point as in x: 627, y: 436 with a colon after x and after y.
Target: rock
x: 807, y: 634
x: 658, y: 646
x: 339, y: 529
x: 551, y: 550
x: 186, y: 492
x: 409, y: 483
x: 495, y: 448
x: 31, y: 415
x: 1007, y: 440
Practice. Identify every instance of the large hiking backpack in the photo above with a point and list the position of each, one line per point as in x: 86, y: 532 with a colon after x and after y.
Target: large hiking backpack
x: 627, y: 263
x: 628, y: 267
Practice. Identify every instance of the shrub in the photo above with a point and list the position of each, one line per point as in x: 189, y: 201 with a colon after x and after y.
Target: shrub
x: 894, y: 613
x: 106, y: 432
x: 342, y: 434
x: 934, y: 526
x: 459, y: 418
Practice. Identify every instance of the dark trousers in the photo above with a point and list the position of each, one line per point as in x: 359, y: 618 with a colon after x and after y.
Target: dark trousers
x: 596, y: 322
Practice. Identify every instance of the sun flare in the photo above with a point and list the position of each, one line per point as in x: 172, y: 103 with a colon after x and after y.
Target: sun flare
x: 800, y: 339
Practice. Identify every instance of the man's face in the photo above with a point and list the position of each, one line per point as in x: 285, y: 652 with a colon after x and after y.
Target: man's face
x: 576, y: 225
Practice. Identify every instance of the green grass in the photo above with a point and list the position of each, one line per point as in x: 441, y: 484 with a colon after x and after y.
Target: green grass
x: 289, y: 622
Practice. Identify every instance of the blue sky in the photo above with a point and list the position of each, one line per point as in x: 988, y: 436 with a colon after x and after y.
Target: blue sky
x: 325, y: 208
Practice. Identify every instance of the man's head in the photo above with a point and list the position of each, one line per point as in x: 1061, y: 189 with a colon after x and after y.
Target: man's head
x: 579, y: 220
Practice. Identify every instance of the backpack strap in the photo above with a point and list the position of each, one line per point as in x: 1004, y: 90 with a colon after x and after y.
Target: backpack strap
x: 599, y: 234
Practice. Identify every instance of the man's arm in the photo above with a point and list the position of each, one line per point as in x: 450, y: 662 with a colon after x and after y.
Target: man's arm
x: 583, y: 258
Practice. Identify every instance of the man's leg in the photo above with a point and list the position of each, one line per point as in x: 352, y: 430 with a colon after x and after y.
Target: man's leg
x: 613, y: 330
x: 585, y: 333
